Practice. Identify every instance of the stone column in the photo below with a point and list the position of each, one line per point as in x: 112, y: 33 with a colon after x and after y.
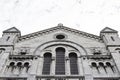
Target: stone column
x: 40, y: 66
x: 87, y: 69
x: 53, y: 64
x: 67, y: 66
x: 80, y: 67
x: 52, y: 68
x: 33, y: 68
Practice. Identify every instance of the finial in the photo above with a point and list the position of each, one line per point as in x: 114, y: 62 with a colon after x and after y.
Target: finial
x: 60, y: 24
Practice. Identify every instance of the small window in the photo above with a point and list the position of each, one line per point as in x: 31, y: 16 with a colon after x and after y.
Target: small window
x: 101, y: 64
x: 23, y: 53
x: 12, y: 64
x: 94, y: 64
x: 8, y: 38
x: 19, y: 64
x: 26, y: 65
x: 112, y: 38
x: 60, y: 36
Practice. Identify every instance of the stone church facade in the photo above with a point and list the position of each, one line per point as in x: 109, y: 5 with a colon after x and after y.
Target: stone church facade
x: 60, y: 53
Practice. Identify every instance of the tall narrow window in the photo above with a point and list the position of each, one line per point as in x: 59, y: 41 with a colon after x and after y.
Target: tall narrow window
x: 8, y: 38
x: 73, y: 63
x: 60, y: 61
x: 47, y: 63
x: 112, y: 38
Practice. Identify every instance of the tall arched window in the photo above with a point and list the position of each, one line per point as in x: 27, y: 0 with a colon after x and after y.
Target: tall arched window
x: 73, y: 63
x: 47, y: 63
x: 60, y: 61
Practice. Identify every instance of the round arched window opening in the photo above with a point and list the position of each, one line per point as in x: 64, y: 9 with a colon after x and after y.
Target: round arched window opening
x: 60, y: 36
x: 26, y: 64
x: 94, y: 64
x: 12, y: 64
x: 19, y: 64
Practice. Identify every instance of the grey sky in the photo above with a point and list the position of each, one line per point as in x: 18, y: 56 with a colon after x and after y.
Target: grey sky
x: 34, y: 15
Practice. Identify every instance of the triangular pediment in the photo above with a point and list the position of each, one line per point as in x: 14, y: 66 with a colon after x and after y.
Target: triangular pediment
x: 57, y: 28
x: 108, y: 30
x: 12, y: 30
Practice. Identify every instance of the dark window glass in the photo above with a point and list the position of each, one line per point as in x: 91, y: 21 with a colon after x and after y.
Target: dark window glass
x: 8, y: 38
x: 73, y: 63
x: 60, y: 36
x: 46, y: 64
x: 60, y: 61
x: 112, y: 38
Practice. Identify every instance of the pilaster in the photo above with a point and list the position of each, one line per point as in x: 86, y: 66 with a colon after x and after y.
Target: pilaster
x: 67, y: 66
x: 33, y: 69
x: 87, y: 70
x: 52, y: 72
x: 40, y: 66
x: 80, y: 67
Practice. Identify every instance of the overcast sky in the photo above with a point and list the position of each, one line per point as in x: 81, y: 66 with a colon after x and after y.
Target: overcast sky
x: 34, y: 15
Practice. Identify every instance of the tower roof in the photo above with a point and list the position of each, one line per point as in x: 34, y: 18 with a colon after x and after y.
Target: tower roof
x: 12, y: 30
x: 108, y: 30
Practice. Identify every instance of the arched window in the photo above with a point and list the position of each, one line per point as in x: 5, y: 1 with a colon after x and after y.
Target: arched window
x: 19, y: 65
x: 73, y: 63
x: 109, y: 67
x: 60, y: 61
x: 102, y: 67
x: 11, y: 66
x: 26, y: 65
x: 47, y: 63
x: 94, y: 67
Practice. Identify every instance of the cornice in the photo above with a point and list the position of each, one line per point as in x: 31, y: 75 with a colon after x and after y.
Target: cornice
x: 57, y: 28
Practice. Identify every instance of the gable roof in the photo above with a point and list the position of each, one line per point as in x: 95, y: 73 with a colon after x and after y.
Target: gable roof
x: 59, y: 27
x: 108, y: 30
x: 12, y: 30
